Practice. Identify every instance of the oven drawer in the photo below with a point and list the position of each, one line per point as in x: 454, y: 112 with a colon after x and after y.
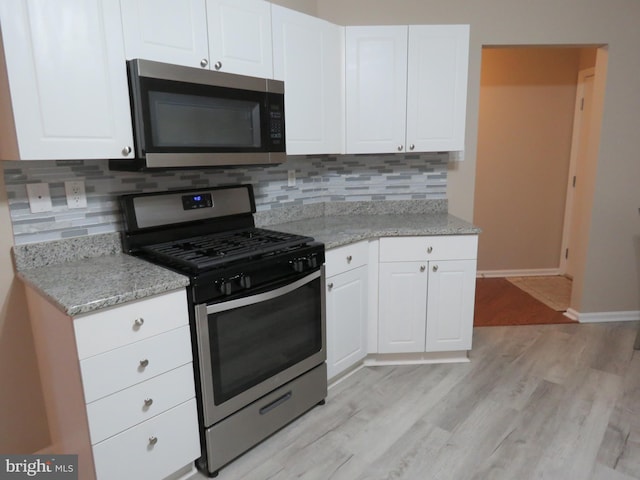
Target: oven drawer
x: 123, y: 367
x: 447, y: 247
x: 118, y: 326
x: 152, y: 449
x: 117, y: 412
x: 342, y: 259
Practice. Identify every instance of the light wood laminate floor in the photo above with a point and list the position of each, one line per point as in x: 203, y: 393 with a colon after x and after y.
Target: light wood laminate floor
x: 555, y: 402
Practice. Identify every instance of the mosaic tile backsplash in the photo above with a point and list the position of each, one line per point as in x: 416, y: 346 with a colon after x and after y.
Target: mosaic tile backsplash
x: 318, y: 179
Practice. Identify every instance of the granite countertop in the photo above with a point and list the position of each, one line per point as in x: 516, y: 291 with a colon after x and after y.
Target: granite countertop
x: 337, y: 230
x: 85, y: 274
x: 98, y: 276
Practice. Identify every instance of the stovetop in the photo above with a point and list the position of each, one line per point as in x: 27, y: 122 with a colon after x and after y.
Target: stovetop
x: 210, y: 251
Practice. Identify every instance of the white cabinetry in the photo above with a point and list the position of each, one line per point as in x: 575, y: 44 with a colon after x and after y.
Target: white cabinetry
x: 119, y: 386
x: 346, y: 306
x: 63, y: 83
x: 426, y: 293
x: 240, y: 37
x: 232, y: 36
x: 171, y: 31
x: 406, y: 88
x: 308, y: 56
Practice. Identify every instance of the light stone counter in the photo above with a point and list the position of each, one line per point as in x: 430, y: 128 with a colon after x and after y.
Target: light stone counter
x: 85, y: 274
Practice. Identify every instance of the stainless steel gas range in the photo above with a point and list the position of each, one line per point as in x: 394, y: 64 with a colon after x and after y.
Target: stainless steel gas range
x: 256, y: 309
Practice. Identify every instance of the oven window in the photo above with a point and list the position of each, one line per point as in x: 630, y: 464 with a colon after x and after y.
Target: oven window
x: 252, y: 343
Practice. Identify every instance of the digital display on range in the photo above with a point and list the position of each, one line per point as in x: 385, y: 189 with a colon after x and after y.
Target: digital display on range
x: 197, y: 200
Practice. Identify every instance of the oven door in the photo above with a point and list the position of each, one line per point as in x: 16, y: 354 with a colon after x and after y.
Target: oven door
x: 249, y: 346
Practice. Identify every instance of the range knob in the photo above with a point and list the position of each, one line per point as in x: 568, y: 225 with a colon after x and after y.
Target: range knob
x: 245, y: 281
x: 225, y: 287
x: 298, y: 264
x: 312, y: 261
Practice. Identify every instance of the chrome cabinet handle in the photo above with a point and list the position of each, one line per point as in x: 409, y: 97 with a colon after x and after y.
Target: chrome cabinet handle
x: 218, y: 65
x: 126, y: 151
x: 204, y: 62
x: 429, y: 249
x: 349, y: 258
x: 144, y: 363
x: 138, y: 322
x: 400, y: 147
x: 330, y: 286
x: 153, y: 441
x: 412, y: 146
x: 435, y: 268
x: 148, y: 402
x: 422, y: 268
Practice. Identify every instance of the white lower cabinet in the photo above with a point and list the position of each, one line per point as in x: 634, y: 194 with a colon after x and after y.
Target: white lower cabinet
x: 426, y: 294
x: 346, y: 307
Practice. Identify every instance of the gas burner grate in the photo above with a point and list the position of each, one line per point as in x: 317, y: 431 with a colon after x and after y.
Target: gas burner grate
x: 213, y: 250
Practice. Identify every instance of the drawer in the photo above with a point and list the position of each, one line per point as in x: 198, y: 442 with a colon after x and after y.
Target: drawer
x: 123, y: 367
x: 348, y: 257
x: 115, y: 413
x: 134, y: 453
x: 409, y: 249
x: 118, y: 326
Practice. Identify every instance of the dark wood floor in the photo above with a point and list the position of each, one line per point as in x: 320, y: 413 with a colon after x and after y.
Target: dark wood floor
x: 499, y: 302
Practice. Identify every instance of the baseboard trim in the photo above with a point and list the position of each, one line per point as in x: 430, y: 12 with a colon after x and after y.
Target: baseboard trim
x: 537, y: 272
x: 604, y: 317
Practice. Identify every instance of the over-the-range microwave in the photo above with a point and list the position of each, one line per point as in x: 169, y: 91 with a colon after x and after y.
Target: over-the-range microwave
x: 191, y: 118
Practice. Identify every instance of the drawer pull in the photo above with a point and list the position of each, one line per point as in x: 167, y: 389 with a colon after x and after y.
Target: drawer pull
x: 430, y: 249
x: 137, y: 323
x: 330, y: 286
x: 422, y: 268
x: 153, y: 441
x: 148, y: 402
x: 435, y: 268
x: 276, y: 403
x: 349, y: 258
x: 144, y: 363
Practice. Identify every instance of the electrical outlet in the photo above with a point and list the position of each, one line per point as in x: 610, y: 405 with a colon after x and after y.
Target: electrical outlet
x: 291, y: 178
x: 76, y: 195
x: 39, y: 197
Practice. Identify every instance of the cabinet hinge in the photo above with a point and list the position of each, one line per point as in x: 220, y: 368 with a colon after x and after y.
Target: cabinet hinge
x: 566, y: 253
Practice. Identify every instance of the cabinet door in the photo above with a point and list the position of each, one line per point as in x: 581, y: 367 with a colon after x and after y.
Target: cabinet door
x: 376, y: 89
x: 403, y: 307
x: 437, y: 87
x: 240, y: 37
x: 346, y: 302
x: 171, y: 31
x: 450, y: 305
x: 67, y: 79
x: 308, y: 56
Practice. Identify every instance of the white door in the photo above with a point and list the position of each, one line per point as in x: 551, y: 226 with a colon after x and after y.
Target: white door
x: 171, y: 31
x: 437, y: 87
x: 577, y: 208
x: 346, y: 320
x: 307, y: 56
x: 450, y: 305
x: 66, y: 70
x: 402, y: 307
x: 240, y: 37
x: 376, y: 89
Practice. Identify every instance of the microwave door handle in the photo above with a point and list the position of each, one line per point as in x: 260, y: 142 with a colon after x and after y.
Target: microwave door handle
x: 262, y: 297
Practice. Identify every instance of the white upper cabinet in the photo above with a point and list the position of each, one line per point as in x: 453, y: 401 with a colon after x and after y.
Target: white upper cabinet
x: 406, y: 88
x: 376, y: 88
x: 171, y: 31
x: 240, y: 37
x: 309, y: 57
x: 63, y: 83
x: 437, y: 87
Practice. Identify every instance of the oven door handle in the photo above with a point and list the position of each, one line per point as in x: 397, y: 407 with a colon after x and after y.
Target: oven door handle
x: 262, y: 297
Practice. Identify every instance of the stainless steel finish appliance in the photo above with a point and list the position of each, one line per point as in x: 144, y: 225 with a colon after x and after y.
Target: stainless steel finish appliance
x: 256, y: 309
x: 187, y: 117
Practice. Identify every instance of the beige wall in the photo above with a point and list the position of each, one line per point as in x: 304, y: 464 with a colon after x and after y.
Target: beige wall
x: 23, y: 423
x: 611, y: 279
x: 305, y: 6
x: 527, y: 101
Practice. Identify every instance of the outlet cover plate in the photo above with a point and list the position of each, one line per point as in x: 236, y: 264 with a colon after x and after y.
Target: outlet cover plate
x: 39, y: 197
x: 76, y: 194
